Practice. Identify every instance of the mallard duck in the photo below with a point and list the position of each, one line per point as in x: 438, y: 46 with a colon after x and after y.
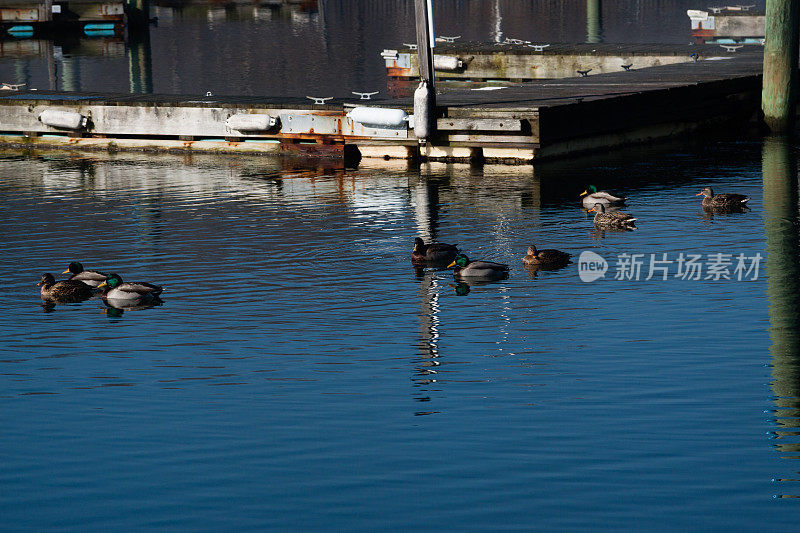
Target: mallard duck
x: 611, y: 219
x: 63, y: 291
x: 134, y: 290
x: 546, y: 257
x: 464, y: 268
x: 432, y: 253
x: 722, y: 201
x: 89, y: 277
x: 592, y: 196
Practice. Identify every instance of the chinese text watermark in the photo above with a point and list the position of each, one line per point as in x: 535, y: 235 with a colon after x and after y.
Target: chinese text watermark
x: 663, y: 266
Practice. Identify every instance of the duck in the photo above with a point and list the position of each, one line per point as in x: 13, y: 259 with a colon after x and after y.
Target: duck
x: 547, y: 257
x: 133, y: 290
x: 464, y: 268
x: 89, y: 277
x: 723, y: 200
x: 432, y: 253
x: 64, y: 291
x: 592, y: 196
x: 612, y: 219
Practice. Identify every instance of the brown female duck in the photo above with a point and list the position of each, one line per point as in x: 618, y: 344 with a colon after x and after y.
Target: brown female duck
x: 64, y: 291
x: 545, y: 258
x: 723, y: 200
x: 612, y: 219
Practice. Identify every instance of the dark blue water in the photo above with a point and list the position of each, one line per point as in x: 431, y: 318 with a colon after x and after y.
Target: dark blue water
x: 300, y: 375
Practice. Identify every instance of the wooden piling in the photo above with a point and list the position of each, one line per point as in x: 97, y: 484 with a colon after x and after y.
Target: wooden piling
x: 779, y: 89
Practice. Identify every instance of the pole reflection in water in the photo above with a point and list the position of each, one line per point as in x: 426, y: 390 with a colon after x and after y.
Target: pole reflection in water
x: 779, y: 169
x: 426, y: 369
x: 140, y: 63
x: 594, y: 21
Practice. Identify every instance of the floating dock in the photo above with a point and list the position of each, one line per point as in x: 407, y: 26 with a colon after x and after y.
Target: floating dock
x: 517, y: 61
x: 512, y: 123
x: 728, y: 25
x: 22, y: 20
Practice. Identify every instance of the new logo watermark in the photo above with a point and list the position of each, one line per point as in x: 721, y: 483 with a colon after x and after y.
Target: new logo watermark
x: 591, y: 266
x: 685, y: 266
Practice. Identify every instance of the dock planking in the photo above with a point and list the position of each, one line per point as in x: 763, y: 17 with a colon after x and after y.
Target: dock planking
x: 519, y: 123
x: 521, y: 62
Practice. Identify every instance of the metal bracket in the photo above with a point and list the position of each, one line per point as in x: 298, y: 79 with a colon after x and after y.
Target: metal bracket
x: 365, y: 96
x: 538, y: 47
x: 319, y: 101
x: 731, y: 47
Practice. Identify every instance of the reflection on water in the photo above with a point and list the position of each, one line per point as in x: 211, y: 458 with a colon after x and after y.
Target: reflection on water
x: 783, y: 289
x: 300, y: 48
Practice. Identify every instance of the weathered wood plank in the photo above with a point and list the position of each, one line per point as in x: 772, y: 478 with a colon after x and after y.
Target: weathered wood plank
x: 478, y: 124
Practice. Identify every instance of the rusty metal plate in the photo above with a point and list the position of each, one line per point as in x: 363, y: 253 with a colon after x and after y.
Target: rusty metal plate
x: 291, y: 123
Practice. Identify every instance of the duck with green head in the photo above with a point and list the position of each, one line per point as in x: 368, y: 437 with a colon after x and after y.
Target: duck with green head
x: 465, y: 268
x: 132, y: 290
x: 64, y: 291
x: 89, y: 277
x: 592, y: 196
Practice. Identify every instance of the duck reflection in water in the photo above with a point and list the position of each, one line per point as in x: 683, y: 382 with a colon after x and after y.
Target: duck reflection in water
x: 465, y: 285
x: 116, y: 307
x: 461, y: 288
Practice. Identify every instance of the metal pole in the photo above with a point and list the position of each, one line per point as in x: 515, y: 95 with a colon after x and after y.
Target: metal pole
x: 425, y: 41
x: 779, y: 89
x: 425, y: 95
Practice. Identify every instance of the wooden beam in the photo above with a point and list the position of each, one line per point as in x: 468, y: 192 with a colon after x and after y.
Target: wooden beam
x: 779, y: 88
x: 478, y: 124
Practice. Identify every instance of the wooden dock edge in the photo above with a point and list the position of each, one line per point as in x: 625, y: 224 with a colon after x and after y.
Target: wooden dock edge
x: 576, y: 118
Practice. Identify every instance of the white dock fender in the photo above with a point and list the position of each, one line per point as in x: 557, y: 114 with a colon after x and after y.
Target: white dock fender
x: 251, y: 122
x: 58, y: 118
x: 447, y: 63
x: 423, y: 112
x: 379, y: 117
